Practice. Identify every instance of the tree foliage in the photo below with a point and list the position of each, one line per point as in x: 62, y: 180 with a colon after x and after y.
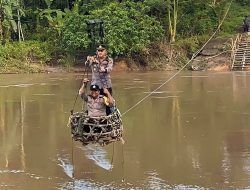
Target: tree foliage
x: 128, y: 28
x: 74, y: 33
x: 8, y: 11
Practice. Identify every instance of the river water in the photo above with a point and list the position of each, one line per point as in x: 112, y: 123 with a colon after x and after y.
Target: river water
x: 192, y: 133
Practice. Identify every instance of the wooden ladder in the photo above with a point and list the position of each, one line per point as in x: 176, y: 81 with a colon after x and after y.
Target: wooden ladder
x: 241, y: 58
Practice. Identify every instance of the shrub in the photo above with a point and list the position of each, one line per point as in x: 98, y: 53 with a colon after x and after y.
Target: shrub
x: 29, y: 49
x: 128, y: 28
x: 74, y: 33
x: 28, y: 56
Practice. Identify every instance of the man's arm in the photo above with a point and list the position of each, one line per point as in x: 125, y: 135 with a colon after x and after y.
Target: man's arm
x: 110, y: 65
x: 110, y: 100
x: 90, y: 60
x: 82, y: 90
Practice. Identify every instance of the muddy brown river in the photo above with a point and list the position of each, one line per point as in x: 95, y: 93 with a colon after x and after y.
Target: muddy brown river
x: 192, y: 133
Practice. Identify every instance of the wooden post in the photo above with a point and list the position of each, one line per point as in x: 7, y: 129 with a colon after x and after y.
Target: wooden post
x: 18, y: 25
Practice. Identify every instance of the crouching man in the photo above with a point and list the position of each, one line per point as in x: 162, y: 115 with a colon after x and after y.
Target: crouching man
x: 96, y: 103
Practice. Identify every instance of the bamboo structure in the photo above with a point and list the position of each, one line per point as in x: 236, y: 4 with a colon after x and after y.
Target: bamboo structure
x: 102, y: 130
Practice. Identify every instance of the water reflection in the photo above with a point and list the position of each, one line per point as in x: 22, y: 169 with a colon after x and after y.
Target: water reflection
x: 66, y: 165
x: 193, y: 133
x: 86, y: 184
x: 98, y: 155
x: 153, y: 181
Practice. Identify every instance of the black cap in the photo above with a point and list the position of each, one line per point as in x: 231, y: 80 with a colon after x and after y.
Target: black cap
x: 94, y: 87
x: 101, y: 47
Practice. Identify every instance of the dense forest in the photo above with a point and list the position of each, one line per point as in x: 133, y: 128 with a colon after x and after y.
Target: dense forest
x: 60, y: 32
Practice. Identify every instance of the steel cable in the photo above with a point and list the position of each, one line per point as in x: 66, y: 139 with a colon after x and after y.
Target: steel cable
x: 193, y: 56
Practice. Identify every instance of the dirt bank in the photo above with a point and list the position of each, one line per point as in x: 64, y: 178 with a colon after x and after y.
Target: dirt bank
x: 215, y: 56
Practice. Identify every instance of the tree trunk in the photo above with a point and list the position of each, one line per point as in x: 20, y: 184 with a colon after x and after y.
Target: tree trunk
x: 172, y: 19
x: 1, y: 28
x: 19, y: 25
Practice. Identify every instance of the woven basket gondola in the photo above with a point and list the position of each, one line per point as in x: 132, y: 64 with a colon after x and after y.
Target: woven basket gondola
x: 102, y: 130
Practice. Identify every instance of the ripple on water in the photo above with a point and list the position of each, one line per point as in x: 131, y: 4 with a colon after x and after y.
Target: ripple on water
x: 11, y: 171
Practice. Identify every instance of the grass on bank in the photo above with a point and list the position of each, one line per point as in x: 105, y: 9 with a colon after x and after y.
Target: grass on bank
x: 24, y: 57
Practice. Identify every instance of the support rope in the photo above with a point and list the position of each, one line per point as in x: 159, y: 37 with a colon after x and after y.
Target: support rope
x: 72, y: 157
x: 112, y: 158
x: 123, y: 161
x: 72, y: 111
x: 85, y: 72
x: 193, y: 56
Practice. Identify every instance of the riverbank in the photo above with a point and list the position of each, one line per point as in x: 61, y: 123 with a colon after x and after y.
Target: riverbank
x: 216, y: 56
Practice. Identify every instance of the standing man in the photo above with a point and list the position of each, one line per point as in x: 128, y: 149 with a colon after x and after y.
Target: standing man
x: 101, y: 65
x: 246, y: 24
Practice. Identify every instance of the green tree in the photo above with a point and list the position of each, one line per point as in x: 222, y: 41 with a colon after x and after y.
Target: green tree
x: 54, y: 17
x: 218, y: 9
x: 8, y: 9
x: 196, y: 18
x: 74, y: 33
x: 128, y: 28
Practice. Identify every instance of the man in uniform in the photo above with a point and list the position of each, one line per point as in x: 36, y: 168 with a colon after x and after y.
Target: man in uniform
x: 101, y: 65
x: 96, y: 103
